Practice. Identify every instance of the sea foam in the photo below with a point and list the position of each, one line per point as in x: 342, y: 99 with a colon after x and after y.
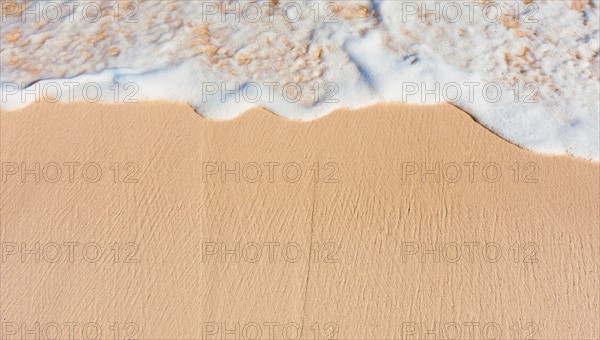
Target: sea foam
x: 527, y: 70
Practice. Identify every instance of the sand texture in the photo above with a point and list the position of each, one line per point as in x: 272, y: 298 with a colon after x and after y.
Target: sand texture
x: 171, y: 241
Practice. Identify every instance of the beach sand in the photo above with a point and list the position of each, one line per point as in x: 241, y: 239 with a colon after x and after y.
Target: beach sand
x: 149, y: 221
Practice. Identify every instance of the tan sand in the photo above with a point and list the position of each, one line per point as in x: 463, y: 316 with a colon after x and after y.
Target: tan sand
x: 167, y: 245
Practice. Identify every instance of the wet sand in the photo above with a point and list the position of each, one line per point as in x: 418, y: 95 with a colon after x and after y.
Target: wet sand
x: 408, y: 222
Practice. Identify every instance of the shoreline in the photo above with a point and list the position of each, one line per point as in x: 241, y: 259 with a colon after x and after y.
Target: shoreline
x: 186, y: 106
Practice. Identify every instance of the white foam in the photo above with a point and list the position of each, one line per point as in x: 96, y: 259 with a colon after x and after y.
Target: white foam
x: 363, y: 53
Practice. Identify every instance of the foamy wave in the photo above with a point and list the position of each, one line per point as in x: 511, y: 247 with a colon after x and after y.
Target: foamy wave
x: 527, y: 70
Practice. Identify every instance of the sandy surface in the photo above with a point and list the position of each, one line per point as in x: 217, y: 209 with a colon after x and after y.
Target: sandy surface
x: 166, y: 244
